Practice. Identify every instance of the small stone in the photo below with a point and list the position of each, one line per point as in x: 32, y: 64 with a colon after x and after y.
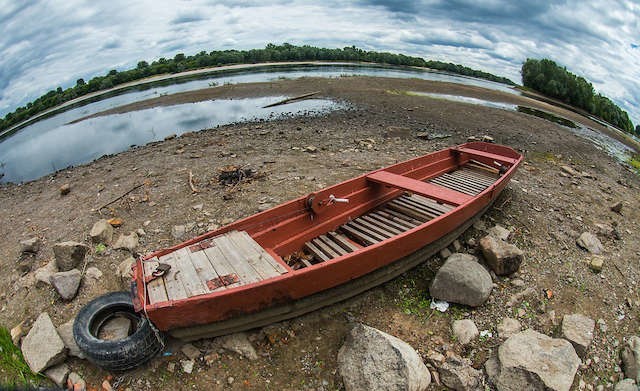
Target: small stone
x: 602, y: 325
x: 171, y: 366
x: 310, y: 149
x: 75, y: 382
x: 630, y: 355
x: 190, y: 351
x: 30, y: 246
x: 44, y: 273
x: 499, y: 232
x: 69, y: 255
x: 106, y: 386
x: 445, y: 253
x: 503, y: 258
x: 101, y: 232
x: 487, y: 139
x: 239, y: 343
x: 626, y: 385
x: 508, y: 327
x: 93, y: 273
x: 397, y: 132
x: 617, y: 207
x: 590, y: 242
x: 125, y: 271
x: 457, y: 246
x: 17, y: 333
x: 230, y: 380
x: 578, y: 329
x: 517, y: 282
x: 596, y: 263
x: 197, y: 207
x: 43, y: 347
x: 114, y: 329
x: 465, y: 330
x: 127, y: 242
x: 458, y: 374
x: 65, y: 331
x: 67, y: 283
x: 170, y: 137
x: 141, y: 232
x: 211, y: 358
x: 187, y: 365
x: 58, y: 374
x: 65, y: 189
x: 462, y: 280
x: 570, y: 171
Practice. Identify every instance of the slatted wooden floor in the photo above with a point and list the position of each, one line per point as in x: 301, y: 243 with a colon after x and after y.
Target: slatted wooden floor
x: 218, y: 263
x: 397, y: 216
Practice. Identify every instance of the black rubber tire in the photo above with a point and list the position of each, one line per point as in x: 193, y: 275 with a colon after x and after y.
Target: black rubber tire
x: 115, y: 355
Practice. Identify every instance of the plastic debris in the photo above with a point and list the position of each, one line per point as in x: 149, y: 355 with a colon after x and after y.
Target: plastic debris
x: 439, y: 305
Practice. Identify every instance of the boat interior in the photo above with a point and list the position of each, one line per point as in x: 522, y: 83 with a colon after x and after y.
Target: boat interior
x: 324, y: 226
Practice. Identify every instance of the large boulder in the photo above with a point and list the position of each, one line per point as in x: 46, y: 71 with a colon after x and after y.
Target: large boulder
x: 462, y: 280
x: 626, y: 385
x: 590, y: 242
x: 43, y: 347
x: 373, y: 360
x: 630, y: 355
x: 578, y: 329
x: 533, y: 361
x: 69, y: 255
x: 458, y: 374
x: 502, y: 257
x: 67, y: 283
x: 101, y: 232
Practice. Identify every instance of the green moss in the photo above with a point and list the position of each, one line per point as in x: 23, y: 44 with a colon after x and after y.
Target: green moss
x: 634, y: 161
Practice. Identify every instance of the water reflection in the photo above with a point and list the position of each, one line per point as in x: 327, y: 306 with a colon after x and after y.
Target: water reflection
x: 30, y: 155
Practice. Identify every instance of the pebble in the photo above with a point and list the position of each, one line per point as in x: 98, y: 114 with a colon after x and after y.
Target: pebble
x: 230, y: 380
x: 187, y: 365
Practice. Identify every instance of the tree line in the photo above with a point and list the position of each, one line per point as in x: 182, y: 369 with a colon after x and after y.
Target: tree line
x: 552, y: 80
x: 271, y: 53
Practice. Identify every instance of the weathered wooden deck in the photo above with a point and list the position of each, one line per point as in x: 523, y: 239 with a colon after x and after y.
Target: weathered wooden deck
x: 226, y: 261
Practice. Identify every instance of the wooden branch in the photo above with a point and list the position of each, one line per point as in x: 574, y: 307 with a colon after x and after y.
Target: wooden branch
x: 289, y: 100
x: 191, y: 184
x: 119, y: 198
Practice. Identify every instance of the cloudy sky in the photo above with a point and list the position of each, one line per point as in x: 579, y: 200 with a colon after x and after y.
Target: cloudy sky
x: 45, y: 44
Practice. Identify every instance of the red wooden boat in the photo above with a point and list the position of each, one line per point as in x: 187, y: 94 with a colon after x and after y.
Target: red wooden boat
x: 321, y: 248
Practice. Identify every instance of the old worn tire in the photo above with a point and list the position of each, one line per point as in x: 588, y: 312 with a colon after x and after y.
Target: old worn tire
x: 116, y: 355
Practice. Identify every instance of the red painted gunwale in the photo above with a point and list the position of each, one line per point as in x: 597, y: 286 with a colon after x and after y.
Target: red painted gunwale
x: 284, y: 229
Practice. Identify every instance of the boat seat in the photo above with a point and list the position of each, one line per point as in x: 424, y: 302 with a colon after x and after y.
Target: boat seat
x: 499, y: 158
x: 436, y: 192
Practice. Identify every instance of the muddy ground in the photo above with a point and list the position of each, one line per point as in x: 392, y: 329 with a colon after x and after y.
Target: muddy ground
x: 545, y: 209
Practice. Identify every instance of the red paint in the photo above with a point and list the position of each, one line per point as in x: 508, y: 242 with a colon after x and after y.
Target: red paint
x: 285, y: 228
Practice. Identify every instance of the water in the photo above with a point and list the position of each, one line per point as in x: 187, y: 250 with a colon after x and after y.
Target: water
x: 602, y: 141
x: 30, y: 154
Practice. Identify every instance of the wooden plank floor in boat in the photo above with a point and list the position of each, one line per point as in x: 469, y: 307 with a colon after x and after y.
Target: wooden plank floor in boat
x: 214, y: 264
x: 397, y: 216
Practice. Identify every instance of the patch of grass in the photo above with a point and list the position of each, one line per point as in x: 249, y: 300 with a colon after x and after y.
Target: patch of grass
x: 100, y: 248
x: 12, y: 362
x: 634, y: 161
x: 548, y: 116
x: 547, y: 157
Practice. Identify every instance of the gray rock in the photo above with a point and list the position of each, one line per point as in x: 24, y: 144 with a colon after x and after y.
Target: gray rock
x: 617, y: 207
x: 116, y: 328
x: 31, y: 246
x: 605, y: 230
x: 458, y: 374
x: 180, y: 231
x: 533, y: 361
x: 65, y: 331
x: 191, y: 351
x: 93, y: 273
x: 44, y: 273
x: 58, y: 374
x: 464, y: 330
x: 101, y: 232
x: 626, y: 385
x: 499, y: 232
x: 239, y: 343
x: 127, y: 242
x: 65, y: 189
x: 67, y: 283
x: 445, y: 253
x: 373, y: 360
x: 124, y: 269
x: 630, y: 355
x: 508, y: 327
x: 43, y: 347
x: 578, y: 329
x: 18, y: 332
x: 77, y: 380
x: 503, y: 258
x: 462, y: 280
x: 590, y: 242
x: 397, y: 131
x: 69, y: 255
x: 596, y: 263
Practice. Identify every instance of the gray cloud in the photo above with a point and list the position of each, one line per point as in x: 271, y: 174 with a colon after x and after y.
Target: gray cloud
x: 44, y: 45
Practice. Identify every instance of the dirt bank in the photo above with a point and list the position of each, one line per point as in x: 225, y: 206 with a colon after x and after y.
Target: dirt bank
x: 546, y: 210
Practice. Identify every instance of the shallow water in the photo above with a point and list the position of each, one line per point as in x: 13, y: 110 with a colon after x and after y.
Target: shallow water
x: 26, y: 157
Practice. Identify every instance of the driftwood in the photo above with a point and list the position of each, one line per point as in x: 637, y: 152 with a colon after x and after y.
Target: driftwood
x: 120, y: 197
x: 191, y: 184
x: 289, y: 100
